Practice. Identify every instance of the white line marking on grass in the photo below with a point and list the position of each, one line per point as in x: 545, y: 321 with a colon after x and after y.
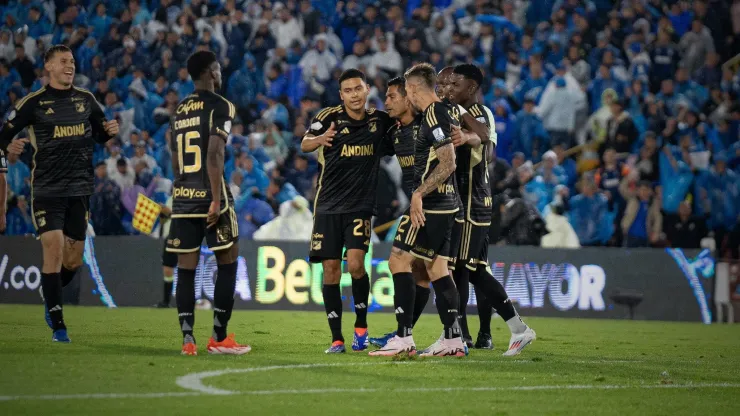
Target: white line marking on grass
x: 194, y: 382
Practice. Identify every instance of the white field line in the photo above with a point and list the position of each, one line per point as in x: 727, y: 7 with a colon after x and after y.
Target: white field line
x: 194, y: 382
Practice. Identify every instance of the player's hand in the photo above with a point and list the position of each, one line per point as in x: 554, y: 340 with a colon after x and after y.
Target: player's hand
x: 457, y: 137
x: 111, y: 128
x: 16, y: 146
x: 328, y: 136
x: 417, y: 211
x: 213, y: 213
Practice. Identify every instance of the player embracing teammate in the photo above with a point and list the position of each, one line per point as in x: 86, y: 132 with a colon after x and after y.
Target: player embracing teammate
x: 469, y: 232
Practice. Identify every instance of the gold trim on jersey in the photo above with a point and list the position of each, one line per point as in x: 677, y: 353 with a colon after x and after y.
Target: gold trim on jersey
x: 431, y: 118
x: 459, y: 220
x: 182, y: 250
x: 477, y: 156
x: 419, y: 256
x: 432, y: 156
x: 232, y: 108
x: 322, y: 162
x: 28, y: 97
x: 323, y: 114
x: 223, y: 247
x: 475, y: 111
x: 411, y: 236
x: 210, y: 122
x: 446, y: 211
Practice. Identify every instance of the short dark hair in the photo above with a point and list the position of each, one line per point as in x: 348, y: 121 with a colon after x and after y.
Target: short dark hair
x: 53, y: 51
x: 426, y: 72
x: 470, y: 72
x: 199, y: 62
x: 399, y: 82
x: 352, y: 73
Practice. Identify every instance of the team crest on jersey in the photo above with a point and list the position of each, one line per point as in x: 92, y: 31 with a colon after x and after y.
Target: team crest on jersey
x: 176, y: 243
x: 80, y: 107
x: 373, y: 127
x: 223, y: 234
x: 316, y: 245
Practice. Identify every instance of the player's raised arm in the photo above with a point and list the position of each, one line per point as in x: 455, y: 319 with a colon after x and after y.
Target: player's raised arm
x: 320, y: 133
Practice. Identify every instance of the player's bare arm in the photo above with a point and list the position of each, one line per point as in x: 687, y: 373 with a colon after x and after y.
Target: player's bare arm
x: 479, y: 129
x: 311, y: 142
x: 215, y: 166
x: 445, y: 168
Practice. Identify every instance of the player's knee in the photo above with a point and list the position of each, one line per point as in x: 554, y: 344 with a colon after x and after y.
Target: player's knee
x: 72, y: 263
x: 356, y: 268
x: 398, y: 263
x: 332, y: 273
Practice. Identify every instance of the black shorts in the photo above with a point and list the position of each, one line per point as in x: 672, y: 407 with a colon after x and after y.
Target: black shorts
x: 432, y: 240
x: 333, y: 232
x: 457, y: 230
x: 169, y: 259
x: 67, y: 213
x: 473, y: 245
x: 187, y: 233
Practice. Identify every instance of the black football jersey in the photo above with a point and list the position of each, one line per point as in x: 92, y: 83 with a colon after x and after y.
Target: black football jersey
x: 402, y: 141
x: 434, y: 133
x: 63, y: 127
x: 348, y: 170
x: 472, y: 172
x: 199, y: 117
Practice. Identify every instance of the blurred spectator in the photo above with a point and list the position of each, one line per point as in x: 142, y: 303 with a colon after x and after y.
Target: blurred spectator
x: 252, y: 212
x: 622, y: 133
x: 18, y: 176
x: 521, y: 223
x: 286, y: 28
x: 280, y: 191
x: 299, y: 175
x: 387, y: 59
x: 123, y: 176
x: 23, y: 66
x: 529, y: 138
x: 254, y: 180
x: 684, y: 230
x: 105, y: 204
x: 142, y: 156
x: 559, y: 120
x: 293, y: 223
x: 695, y: 45
x: 19, y: 221
x: 587, y: 212
x: 642, y: 223
x: 319, y: 61
x: 561, y: 233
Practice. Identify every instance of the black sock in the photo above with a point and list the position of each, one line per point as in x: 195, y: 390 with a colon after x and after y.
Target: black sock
x: 420, y: 302
x: 485, y: 310
x: 403, y: 298
x: 185, y: 298
x: 67, y: 275
x: 223, y: 299
x: 460, y: 275
x: 361, y: 295
x: 493, y: 292
x: 445, y: 288
x: 52, y: 286
x: 333, y: 307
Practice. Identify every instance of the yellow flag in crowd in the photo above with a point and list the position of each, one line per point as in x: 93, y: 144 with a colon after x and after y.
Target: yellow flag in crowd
x: 146, y: 214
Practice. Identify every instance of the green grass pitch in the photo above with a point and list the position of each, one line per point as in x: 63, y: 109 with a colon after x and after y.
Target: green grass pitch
x: 127, y: 362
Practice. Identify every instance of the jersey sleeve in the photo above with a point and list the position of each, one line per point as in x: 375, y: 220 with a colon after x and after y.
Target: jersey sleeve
x: 19, y: 117
x: 387, y: 147
x: 321, y: 122
x: 223, y: 116
x: 440, y: 119
x: 486, y: 116
x: 97, y: 120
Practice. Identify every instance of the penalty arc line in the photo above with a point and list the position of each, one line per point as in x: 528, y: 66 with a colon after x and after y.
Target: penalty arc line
x: 194, y: 382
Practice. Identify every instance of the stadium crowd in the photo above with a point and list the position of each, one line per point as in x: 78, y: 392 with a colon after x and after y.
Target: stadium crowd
x: 617, y: 116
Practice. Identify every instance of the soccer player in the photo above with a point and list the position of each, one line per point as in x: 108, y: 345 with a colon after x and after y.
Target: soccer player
x: 349, y: 141
x: 64, y: 122
x: 402, y: 141
x: 425, y: 230
x: 475, y: 191
x: 202, y: 205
